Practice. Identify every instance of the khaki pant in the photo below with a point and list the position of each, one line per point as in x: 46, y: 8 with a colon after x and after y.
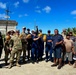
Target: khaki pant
x: 18, y: 54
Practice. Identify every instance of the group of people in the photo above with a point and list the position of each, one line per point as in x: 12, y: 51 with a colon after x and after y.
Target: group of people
x: 33, y: 46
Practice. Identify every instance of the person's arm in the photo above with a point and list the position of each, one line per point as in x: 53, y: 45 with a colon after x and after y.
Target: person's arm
x: 36, y: 39
x: 72, y: 47
x: 49, y: 41
x: 60, y: 41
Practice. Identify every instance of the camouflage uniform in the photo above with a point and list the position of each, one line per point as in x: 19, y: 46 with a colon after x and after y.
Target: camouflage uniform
x: 24, y: 45
x: 7, y: 45
x: 16, y: 49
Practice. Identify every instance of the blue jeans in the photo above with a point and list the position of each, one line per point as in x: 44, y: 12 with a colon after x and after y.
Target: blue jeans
x: 34, y: 54
x: 47, y: 51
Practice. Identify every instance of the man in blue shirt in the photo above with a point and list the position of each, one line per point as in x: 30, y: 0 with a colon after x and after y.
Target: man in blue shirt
x: 48, y: 46
x: 34, y: 50
x: 41, y: 46
x: 57, y: 47
x: 29, y: 43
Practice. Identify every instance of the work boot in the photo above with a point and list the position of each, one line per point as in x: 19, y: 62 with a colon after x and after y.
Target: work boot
x: 0, y: 66
x: 46, y: 60
x: 23, y: 60
x: 6, y: 63
x: 10, y: 66
x: 18, y: 65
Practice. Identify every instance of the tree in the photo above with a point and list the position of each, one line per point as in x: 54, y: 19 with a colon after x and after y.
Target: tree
x: 73, y: 30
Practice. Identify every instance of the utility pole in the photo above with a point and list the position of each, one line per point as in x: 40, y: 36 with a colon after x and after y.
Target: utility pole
x: 35, y: 25
x: 36, y: 28
x: 7, y: 17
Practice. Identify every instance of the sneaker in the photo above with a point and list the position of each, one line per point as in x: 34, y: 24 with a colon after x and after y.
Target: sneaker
x: 46, y: 60
x: 33, y: 62
x: 37, y: 61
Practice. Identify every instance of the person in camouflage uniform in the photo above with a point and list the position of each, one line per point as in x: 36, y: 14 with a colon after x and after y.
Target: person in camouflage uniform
x: 24, y: 43
x: 7, y: 47
x: 16, y: 49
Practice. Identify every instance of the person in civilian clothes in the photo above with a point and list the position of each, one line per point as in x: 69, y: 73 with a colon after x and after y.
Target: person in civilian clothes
x: 41, y: 45
x: 74, y: 51
x: 1, y: 46
x: 48, y: 46
x: 29, y: 43
x: 34, y: 50
x: 57, y: 48
x: 69, y: 48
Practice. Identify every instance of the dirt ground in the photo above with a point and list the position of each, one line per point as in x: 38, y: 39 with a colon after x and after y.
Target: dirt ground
x: 41, y: 68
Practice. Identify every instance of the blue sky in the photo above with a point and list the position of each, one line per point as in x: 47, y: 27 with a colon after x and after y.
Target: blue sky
x: 47, y: 14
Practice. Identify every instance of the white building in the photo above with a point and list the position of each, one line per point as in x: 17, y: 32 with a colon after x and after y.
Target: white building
x: 11, y: 25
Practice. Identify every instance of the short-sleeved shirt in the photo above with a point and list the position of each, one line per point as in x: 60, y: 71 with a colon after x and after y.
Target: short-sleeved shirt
x: 41, y: 43
x: 49, y: 37
x: 68, y: 45
x: 57, y: 38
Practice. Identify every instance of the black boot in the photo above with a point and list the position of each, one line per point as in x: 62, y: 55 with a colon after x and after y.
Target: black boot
x: 0, y: 66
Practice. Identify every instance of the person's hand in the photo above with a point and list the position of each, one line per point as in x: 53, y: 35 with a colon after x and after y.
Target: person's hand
x: 49, y: 41
x: 57, y: 43
x: 75, y: 53
x: 10, y: 49
x: 38, y: 37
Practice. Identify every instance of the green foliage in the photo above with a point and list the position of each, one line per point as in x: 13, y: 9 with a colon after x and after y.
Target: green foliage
x: 73, y: 30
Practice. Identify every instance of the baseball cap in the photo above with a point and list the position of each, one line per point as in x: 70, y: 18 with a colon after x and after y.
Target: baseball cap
x: 24, y: 27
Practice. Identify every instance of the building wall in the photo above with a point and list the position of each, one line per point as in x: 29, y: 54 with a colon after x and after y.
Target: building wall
x: 10, y: 26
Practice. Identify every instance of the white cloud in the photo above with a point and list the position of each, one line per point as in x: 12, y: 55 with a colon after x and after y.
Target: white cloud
x: 22, y: 15
x: 25, y: 14
x: 16, y: 4
x: 73, y: 12
x: 38, y: 11
x: 25, y: 1
x: 2, y: 5
x: 2, y: 15
x: 47, y: 9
